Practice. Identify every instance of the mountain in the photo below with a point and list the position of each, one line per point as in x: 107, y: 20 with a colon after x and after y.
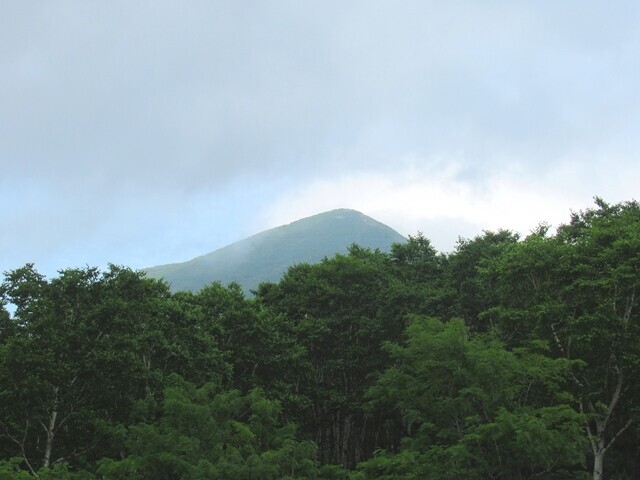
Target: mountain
x: 267, y: 255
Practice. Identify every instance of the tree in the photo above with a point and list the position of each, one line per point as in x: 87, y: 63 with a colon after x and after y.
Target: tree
x: 463, y: 275
x: 80, y: 350
x: 579, y: 289
x: 45, y: 386
x: 473, y: 409
x: 340, y: 310
x: 259, y: 345
x: 207, y: 433
x: 419, y: 272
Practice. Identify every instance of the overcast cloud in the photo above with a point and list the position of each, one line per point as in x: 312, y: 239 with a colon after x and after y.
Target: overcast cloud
x: 144, y: 133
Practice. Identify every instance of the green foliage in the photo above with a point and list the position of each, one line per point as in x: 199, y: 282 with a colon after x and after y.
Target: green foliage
x: 341, y: 311
x: 343, y: 363
x: 258, y: 344
x: 473, y: 293
x: 82, y: 349
x: 473, y: 409
x: 204, y: 433
x: 10, y: 470
x: 419, y: 273
x: 578, y: 289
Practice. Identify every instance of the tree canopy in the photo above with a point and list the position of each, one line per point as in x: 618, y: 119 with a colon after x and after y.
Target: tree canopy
x: 508, y: 358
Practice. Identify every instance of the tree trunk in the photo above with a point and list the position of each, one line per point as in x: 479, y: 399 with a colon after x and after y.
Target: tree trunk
x: 598, y: 464
x: 50, y: 434
x: 50, y: 431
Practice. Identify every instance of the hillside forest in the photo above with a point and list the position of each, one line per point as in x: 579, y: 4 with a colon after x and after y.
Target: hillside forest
x: 508, y: 358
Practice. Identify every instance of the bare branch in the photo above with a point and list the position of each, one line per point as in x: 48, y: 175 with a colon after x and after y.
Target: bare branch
x: 615, y: 398
x: 620, y: 432
x: 76, y: 452
x: 21, y: 445
x: 629, y: 307
x: 592, y: 441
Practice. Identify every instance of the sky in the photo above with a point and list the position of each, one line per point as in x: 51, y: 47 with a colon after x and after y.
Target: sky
x: 150, y: 132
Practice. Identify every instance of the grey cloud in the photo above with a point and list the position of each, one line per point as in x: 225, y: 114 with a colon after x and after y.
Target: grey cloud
x: 207, y: 90
x: 117, y: 105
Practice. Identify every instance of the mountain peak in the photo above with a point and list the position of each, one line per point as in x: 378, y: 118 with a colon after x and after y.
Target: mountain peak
x: 267, y: 255
x: 336, y: 213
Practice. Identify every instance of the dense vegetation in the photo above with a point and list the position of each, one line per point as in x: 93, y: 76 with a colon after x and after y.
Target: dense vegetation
x: 507, y: 359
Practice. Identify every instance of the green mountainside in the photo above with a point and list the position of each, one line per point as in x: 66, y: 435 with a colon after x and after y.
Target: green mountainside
x: 267, y: 255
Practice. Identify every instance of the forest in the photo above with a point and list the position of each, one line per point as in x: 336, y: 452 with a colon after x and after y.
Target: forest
x: 511, y: 357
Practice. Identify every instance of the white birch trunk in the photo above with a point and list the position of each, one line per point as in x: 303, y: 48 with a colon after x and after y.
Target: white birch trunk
x: 50, y: 431
x: 598, y: 464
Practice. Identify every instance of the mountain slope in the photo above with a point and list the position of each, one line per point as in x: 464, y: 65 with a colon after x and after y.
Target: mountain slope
x: 267, y: 255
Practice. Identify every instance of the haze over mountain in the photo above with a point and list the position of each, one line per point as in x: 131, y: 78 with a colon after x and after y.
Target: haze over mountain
x: 267, y: 255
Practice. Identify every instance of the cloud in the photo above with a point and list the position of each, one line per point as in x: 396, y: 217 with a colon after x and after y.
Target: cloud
x: 189, y: 96
x: 440, y: 200
x: 127, y: 124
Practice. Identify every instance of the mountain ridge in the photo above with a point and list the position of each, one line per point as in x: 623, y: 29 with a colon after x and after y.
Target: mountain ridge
x: 266, y: 255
